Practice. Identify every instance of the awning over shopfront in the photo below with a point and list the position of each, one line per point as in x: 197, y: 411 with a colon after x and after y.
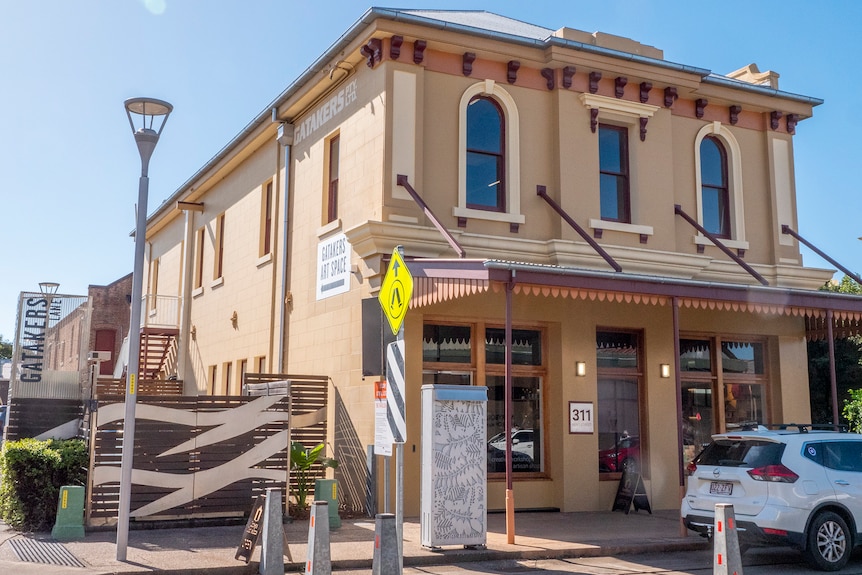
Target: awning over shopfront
x: 439, y: 280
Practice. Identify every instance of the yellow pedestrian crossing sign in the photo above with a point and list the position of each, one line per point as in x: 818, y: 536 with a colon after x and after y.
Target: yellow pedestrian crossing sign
x: 396, y: 291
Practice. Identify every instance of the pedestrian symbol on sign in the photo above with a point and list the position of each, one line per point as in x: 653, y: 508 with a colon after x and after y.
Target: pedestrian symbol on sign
x: 396, y: 291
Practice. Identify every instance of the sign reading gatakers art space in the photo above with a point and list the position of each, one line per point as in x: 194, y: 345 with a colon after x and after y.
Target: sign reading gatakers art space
x: 333, y: 266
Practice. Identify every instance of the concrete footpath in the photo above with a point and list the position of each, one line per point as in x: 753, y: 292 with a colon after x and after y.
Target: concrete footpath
x: 211, y: 550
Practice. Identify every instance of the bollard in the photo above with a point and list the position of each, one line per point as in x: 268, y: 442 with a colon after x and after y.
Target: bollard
x: 327, y: 490
x: 70, y: 514
x: 386, y: 559
x: 319, y: 560
x: 728, y: 559
x: 272, y: 545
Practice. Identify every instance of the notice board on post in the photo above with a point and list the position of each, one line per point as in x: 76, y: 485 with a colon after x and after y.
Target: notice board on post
x: 631, y: 493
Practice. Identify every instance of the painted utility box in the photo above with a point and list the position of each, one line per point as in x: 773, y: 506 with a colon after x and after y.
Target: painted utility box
x: 454, y: 466
x: 327, y: 490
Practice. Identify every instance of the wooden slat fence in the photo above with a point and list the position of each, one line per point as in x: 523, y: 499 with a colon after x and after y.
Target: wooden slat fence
x: 31, y: 417
x: 111, y: 386
x: 190, y: 481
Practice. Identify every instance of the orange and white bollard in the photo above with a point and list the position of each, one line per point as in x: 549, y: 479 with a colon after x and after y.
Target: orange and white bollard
x: 725, y: 542
x: 319, y: 560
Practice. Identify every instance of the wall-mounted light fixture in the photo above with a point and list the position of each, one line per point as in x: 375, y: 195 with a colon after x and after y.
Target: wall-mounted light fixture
x: 664, y: 370
x: 580, y: 368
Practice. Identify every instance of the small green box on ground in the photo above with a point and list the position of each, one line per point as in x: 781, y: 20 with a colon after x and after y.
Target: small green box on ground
x: 70, y: 514
x: 327, y: 490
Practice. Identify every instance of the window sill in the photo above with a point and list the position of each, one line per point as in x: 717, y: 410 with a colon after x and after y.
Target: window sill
x: 264, y: 259
x: 329, y: 228
x: 460, y: 212
x: 197, y: 291
x: 735, y: 244
x: 621, y: 227
x: 218, y: 282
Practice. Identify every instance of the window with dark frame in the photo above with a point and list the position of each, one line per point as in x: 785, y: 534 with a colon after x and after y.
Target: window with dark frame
x: 332, y: 190
x: 267, y: 219
x: 715, y: 195
x: 486, y: 158
x: 619, y: 407
x: 199, y: 258
x: 708, y: 407
x: 450, y: 356
x: 614, y: 174
x: 218, y: 271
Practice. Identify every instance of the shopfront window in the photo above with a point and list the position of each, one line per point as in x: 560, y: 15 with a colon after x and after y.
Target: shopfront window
x: 449, y: 358
x: 619, y: 402
x: 723, y: 387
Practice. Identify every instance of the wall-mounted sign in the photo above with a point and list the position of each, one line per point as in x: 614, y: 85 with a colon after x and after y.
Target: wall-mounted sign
x: 581, y: 417
x: 333, y: 266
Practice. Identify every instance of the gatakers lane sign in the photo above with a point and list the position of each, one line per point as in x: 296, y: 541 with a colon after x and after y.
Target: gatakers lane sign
x: 48, y: 337
x: 36, y: 314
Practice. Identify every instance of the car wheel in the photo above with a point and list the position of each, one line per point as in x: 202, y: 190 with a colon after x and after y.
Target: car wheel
x: 828, y: 542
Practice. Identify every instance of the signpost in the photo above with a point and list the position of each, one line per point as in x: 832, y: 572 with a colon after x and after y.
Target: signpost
x: 394, y: 297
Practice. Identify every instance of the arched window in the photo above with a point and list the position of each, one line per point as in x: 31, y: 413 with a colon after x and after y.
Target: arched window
x: 486, y: 157
x: 718, y: 186
x: 715, y: 196
x: 489, y: 173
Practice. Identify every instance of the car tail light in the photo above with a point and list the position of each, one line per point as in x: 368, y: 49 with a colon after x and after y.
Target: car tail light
x: 773, y: 473
x: 780, y: 532
x: 690, y: 468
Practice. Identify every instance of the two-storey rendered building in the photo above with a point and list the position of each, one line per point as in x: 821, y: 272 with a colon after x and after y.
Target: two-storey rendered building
x: 632, y: 220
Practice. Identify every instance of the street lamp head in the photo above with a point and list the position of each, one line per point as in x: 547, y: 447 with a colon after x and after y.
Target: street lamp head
x: 147, y: 111
x: 48, y: 288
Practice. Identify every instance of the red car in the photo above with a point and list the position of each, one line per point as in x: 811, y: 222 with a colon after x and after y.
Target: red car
x: 624, y: 456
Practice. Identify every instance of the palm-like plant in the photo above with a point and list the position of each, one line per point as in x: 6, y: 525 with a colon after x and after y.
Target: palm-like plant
x: 302, y: 460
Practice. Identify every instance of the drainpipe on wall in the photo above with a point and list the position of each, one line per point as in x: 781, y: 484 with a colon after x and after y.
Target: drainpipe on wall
x: 285, y: 138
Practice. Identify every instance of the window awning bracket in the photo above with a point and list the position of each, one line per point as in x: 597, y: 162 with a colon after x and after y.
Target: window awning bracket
x: 718, y: 243
x: 541, y: 191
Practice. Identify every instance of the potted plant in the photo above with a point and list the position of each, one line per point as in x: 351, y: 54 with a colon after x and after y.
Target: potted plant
x: 302, y: 460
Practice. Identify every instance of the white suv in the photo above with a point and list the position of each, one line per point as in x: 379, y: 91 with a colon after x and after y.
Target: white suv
x: 792, y: 485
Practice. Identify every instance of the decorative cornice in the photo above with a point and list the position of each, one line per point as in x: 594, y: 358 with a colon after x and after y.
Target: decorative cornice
x: 395, y: 46
x: 620, y: 86
x: 699, y: 106
x: 774, y: 117
x: 734, y: 114
x: 512, y: 71
x: 467, y: 63
x: 644, y: 92
x: 791, y: 123
x: 419, y: 51
x: 373, y: 52
x: 568, y: 73
x: 594, y: 81
x: 670, y: 96
x: 548, y: 75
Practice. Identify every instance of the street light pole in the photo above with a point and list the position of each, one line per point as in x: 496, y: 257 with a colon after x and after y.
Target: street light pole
x: 146, y: 111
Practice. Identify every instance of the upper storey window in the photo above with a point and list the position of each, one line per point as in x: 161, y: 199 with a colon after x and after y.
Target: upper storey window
x: 489, y: 176
x: 713, y: 187
x: 486, y: 157
x: 718, y: 173
x: 614, y: 174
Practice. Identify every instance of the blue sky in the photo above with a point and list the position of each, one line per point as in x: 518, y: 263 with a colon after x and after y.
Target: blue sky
x: 69, y: 167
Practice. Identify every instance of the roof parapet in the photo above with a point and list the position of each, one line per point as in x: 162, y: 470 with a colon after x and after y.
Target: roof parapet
x: 752, y: 75
x: 610, y: 41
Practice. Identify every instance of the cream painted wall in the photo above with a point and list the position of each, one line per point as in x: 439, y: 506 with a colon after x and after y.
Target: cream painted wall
x: 558, y: 150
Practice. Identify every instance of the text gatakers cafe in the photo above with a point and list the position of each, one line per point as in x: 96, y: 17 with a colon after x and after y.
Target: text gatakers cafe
x: 36, y: 315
